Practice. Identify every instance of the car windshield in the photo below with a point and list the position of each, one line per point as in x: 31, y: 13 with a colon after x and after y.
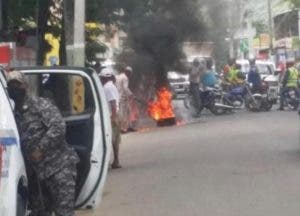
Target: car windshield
x: 265, y: 69
x: 244, y: 68
x: 62, y: 90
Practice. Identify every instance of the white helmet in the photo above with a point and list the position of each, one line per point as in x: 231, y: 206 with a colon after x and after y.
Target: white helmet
x: 106, y: 72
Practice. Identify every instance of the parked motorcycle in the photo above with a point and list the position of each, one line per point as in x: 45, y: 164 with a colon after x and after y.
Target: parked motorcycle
x: 253, y: 99
x: 260, y: 99
x: 233, y: 97
x: 208, y: 100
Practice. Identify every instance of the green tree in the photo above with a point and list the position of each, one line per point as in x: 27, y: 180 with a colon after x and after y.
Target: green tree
x: 260, y: 26
x: 21, y: 12
x: 293, y: 3
x: 93, y: 45
x: 30, y: 14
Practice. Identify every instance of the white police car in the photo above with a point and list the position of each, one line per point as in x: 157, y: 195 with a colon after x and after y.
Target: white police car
x: 79, y: 95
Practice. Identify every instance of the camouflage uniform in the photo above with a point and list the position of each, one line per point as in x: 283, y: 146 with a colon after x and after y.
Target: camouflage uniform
x: 42, y: 128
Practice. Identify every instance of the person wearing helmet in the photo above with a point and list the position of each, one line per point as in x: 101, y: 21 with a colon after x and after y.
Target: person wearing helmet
x: 112, y: 97
x: 197, y: 70
x: 254, y: 77
x: 290, y: 80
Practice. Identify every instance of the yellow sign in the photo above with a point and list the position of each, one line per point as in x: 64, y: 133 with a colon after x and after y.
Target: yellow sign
x: 264, y: 40
x: 77, y: 95
x: 52, y: 57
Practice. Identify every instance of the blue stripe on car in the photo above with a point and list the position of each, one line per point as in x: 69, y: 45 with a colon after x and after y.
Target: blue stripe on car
x: 8, y: 141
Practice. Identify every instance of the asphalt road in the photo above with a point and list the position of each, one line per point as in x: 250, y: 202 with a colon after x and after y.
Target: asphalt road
x: 246, y: 164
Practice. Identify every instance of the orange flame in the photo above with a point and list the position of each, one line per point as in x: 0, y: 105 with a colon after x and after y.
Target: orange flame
x: 162, y: 107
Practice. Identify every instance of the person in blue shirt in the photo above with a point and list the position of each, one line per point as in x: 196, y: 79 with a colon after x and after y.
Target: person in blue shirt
x: 208, y: 79
x: 254, y: 76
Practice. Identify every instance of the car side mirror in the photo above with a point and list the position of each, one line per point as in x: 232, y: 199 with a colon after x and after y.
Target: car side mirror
x: 276, y: 72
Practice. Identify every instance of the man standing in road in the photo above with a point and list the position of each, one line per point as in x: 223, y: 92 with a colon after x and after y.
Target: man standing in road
x: 198, y: 69
x: 122, y: 82
x: 50, y: 162
x: 112, y: 97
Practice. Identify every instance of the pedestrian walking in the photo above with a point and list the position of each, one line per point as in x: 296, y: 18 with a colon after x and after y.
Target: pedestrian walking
x: 50, y: 161
x: 126, y: 96
x: 112, y: 97
x: 198, y: 69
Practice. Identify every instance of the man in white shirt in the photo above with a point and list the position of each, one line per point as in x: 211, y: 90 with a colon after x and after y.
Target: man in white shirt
x: 122, y: 83
x: 112, y: 97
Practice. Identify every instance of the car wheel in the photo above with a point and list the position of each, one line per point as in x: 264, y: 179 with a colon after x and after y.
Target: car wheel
x: 21, y: 206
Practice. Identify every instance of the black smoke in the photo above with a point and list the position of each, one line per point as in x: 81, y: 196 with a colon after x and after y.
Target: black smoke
x: 155, y: 37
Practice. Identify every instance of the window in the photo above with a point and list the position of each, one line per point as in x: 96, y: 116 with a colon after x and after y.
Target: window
x: 72, y: 94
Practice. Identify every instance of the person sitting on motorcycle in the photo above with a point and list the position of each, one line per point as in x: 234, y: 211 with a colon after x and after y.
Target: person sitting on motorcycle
x: 208, y: 79
x: 254, y: 77
x: 231, y: 78
x: 198, y: 68
x: 234, y: 75
x: 290, y: 81
x: 230, y: 69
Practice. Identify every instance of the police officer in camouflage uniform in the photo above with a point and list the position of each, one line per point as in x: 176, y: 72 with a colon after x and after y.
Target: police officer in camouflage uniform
x: 50, y: 162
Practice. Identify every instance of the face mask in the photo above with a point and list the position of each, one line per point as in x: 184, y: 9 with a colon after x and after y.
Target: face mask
x: 17, y: 94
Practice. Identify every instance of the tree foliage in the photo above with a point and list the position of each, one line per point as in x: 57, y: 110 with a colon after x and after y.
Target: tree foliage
x: 21, y: 12
x: 260, y: 27
x: 293, y: 3
x: 155, y: 29
x: 93, y: 44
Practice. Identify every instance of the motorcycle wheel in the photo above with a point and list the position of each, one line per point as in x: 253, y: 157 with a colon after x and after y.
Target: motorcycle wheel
x: 294, y: 105
x: 216, y: 110
x: 268, y: 105
x: 254, y: 106
x: 238, y: 102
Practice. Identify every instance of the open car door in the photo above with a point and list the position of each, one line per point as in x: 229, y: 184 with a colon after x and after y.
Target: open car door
x: 2, y: 76
x: 78, y: 93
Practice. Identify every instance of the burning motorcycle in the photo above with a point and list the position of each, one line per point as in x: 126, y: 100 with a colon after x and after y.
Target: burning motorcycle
x: 208, y: 100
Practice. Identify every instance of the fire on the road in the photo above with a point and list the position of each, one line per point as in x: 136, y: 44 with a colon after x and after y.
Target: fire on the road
x: 161, y: 108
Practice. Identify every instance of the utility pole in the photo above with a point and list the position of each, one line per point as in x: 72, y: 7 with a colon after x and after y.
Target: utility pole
x: 69, y: 29
x: 79, y: 33
x: 1, y: 16
x: 231, y: 28
x: 271, y: 33
x: 74, y: 17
